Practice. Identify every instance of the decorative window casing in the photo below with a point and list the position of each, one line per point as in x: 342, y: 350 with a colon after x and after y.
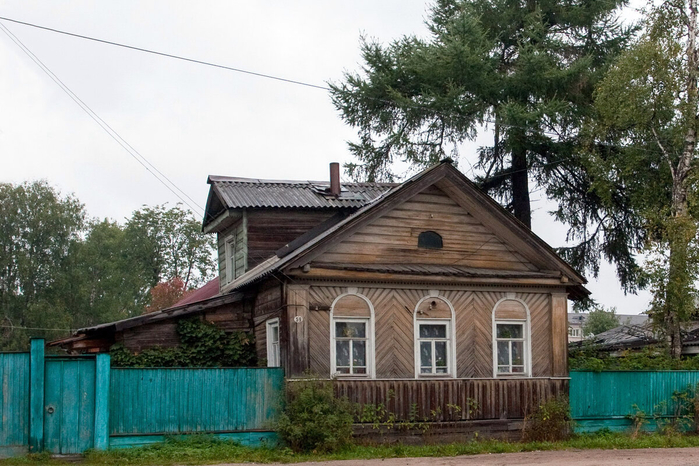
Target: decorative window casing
x: 574, y: 332
x: 352, y: 345
x: 511, y: 339
x: 435, y: 352
x: 273, y: 352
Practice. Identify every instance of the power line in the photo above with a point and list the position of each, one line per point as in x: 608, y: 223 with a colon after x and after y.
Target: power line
x: 37, y: 328
x: 168, y: 55
x: 143, y: 161
x: 252, y: 73
x: 268, y: 76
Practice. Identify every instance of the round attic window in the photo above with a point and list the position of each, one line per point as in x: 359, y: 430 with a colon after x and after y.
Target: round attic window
x: 429, y: 240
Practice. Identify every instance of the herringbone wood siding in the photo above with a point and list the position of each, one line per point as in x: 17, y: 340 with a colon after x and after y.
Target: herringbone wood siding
x: 393, y: 309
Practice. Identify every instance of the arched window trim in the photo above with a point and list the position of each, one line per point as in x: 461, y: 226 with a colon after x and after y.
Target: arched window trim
x: 527, y: 339
x: 441, y: 240
x: 452, y: 338
x: 371, y: 346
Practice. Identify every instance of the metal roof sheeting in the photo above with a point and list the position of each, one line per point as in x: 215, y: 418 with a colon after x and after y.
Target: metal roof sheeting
x: 255, y: 193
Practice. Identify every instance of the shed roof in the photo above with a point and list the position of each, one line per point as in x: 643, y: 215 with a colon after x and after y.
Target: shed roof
x: 255, y: 193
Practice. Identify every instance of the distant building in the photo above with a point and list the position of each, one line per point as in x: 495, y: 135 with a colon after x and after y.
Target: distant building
x: 576, y: 320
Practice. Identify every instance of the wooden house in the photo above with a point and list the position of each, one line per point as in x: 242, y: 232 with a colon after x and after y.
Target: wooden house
x: 426, y: 296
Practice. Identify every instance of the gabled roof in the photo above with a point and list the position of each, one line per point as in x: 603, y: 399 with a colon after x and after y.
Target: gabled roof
x: 456, y: 185
x: 238, y: 193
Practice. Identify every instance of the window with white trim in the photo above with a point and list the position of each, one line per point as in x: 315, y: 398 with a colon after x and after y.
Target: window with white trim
x: 510, y: 338
x: 433, y: 346
x: 273, y: 355
x: 574, y: 331
x: 351, y: 346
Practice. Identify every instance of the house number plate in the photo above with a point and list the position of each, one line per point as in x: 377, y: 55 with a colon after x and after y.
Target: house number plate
x: 298, y: 319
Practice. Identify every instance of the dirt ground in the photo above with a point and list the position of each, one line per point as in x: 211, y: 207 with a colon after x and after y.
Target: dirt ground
x: 647, y: 457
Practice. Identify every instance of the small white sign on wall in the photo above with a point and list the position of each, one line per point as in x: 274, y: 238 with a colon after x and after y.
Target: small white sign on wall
x: 298, y: 319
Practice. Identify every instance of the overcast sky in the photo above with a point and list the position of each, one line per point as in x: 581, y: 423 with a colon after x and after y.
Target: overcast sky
x: 190, y: 120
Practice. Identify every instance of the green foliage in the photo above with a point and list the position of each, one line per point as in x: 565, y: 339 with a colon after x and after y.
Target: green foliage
x: 526, y: 70
x: 169, y: 243
x: 551, y: 422
x: 202, y: 344
x: 314, y: 419
x: 600, y: 320
x: 60, y: 271
x: 648, y: 358
x: 644, y: 155
x: 39, y: 229
x: 204, y: 449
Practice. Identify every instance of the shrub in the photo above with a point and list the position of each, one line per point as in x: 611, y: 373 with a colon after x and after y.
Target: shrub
x: 202, y: 344
x: 313, y: 419
x: 550, y: 422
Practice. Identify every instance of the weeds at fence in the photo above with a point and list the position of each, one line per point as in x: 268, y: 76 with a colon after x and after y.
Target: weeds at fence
x: 196, y: 450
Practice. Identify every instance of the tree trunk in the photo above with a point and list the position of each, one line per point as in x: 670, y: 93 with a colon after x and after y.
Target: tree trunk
x: 520, y: 186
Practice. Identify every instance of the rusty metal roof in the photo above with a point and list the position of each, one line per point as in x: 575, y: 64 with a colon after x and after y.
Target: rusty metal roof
x: 256, y: 193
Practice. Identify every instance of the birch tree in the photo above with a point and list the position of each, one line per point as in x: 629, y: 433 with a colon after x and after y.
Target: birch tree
x: 649, y: 113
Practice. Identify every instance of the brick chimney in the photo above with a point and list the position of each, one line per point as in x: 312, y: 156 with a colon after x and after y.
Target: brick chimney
x: 335, y: 179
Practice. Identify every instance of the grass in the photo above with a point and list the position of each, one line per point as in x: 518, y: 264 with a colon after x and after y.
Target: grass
x: 208, y: 450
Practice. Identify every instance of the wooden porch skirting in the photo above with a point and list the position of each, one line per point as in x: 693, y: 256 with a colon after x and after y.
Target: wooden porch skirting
x: 452, y: 400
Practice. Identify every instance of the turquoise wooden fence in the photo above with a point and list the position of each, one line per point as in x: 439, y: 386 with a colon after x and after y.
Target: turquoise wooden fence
x: 14, y: 403
x: 66, y: 405
x: 606, y: 399
x: 240, y: 404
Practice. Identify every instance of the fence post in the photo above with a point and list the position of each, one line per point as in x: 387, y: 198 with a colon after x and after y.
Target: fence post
x: 102, y: 372
x: 36, y: 395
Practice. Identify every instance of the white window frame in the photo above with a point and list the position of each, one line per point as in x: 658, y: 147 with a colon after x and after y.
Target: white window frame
x: 451, y: 337
x: 370, y: 335
x: 447, y: 339
x: 526, y: 323
x: 271, y: 350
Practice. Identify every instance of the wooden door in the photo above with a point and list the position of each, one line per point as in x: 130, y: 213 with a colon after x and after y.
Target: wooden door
x: 69, y: 409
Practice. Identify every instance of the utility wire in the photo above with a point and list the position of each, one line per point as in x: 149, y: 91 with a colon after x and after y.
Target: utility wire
x: 252, y: 73
x: 268, y: 76
x: 168, y: 55
x: 143, y: 161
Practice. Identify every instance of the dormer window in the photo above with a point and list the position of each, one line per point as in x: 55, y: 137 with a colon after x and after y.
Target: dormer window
x: 429, y: 240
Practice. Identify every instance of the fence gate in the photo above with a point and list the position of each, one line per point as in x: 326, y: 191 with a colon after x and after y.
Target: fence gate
x: 69, y: 405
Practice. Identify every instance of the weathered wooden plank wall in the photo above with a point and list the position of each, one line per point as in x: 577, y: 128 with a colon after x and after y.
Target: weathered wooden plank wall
x: 14, y: 403
x: 392, y: 238
x: 170, y: 401
x: 394, y: 329
x: 435, y: 400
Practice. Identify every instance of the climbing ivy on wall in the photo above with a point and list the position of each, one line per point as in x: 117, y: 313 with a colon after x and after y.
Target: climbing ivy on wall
x: 202, y: 344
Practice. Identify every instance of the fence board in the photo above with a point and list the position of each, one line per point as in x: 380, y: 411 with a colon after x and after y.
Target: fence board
x: 171, y: 401
x: 14, y: 403
x: 604, y: 399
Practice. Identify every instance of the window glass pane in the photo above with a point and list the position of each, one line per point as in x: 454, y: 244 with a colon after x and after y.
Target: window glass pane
x: 503, y: 352
x: 275, y: 333
x: 342, y: 356
x: 343, y: 370
x: 441, y: 370
x: 359, y: 353
x: 503, y: 369
x: 426, y: 355
x: 440, y: 354
x: 518, y: 353
x: 433, y: 331
x: 350, y: 329
x: 360, y: 370
x: 426, y: 370
x: 510, y: 330
x: 517, y: 368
